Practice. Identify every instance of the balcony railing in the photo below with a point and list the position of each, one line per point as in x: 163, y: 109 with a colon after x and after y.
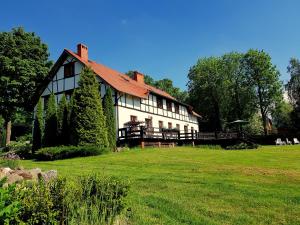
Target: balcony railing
x: 142, y: 132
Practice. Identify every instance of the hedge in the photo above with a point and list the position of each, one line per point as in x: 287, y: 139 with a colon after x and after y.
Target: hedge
x: 65, y: 152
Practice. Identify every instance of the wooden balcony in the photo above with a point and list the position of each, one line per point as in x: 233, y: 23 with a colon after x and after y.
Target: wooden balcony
x: 142, y: 134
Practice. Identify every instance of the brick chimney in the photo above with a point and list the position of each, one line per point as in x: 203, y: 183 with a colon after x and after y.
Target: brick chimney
x: 82, y: 51
x: 137, y: 76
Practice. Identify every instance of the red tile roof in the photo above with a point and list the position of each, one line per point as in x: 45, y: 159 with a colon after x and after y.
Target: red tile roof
x: 120, y: 81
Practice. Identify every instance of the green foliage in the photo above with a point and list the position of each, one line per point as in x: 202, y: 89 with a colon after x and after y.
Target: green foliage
x: 264, y: 77
x: 96, y: 200
x: 36, y: 202
x: 254, y: 127
x: 282, y: 115
x: 293, y: 88
x: 234, y: 86
x: 293, y: 85
x: 87, y: 200
x: 88, y: 121
x: 241, y: 101
x: 242, y: 146
x: 108, y: 110
x: 208, y: 83
x: 11, y: 163
x: 64, y: 152
x: 63, y: 121
x: 24, y: 65
x: 38, y: 127
x: 50, y: 132
x: 21, y: 148
x: 9, y: 206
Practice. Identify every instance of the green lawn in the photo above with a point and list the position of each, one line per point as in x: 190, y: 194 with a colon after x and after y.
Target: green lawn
x: 187, y: 185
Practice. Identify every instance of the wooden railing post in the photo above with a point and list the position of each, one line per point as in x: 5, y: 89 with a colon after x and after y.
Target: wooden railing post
x: 178, y: 135
x: 126, y: 134
x: 141, y: 132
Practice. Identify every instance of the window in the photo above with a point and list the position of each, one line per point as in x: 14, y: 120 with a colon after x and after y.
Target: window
x: 160, y: 125
x: 68, y: 94
x: 159, y: 102
x: 69, y: 70
x: 133, y: 118
x: 148, y: 123
x: 169, y: 106
x: 177, y: 126
x: 170, y: 125
x: 176, y: 108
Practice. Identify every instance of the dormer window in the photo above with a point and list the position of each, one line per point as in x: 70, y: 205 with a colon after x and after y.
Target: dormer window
x: 169, y: 106
x: 159, y: 102
x: 69, y: 69
x: 176, y: 106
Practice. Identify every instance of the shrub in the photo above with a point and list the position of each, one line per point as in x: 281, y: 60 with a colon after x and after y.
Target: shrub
x: 64, y: 152
x: 38, y: 127
x: 242, y: 145
x: 21, y: 148
x: 9, y: 206
x: 50, y: 131
x: 37, y: 206
x: 108, y: 109
x: 87, y: 200
x: 96, y: 200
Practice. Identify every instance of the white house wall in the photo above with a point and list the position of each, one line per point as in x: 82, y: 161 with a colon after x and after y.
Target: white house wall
x: 147, y: 109
x: 127, y: 105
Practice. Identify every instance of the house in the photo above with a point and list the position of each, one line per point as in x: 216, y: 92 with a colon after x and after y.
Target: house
x: 134, y: 100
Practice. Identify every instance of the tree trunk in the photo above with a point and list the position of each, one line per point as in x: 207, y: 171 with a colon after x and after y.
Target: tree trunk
x: 8, y: 132
x: 263, y: 114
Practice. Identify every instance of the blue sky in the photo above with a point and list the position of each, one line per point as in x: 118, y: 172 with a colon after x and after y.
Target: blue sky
x: 162, y: 38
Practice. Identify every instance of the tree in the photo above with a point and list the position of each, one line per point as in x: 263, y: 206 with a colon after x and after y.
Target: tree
x: 281, y: 115
x: 293, y: 88
x: 108, y: 109
x: 24, y: 65
x: 264, y: 76
x: 293, y: 85
x: 207, y: 89
x: 242, y: 101
x: 38, y: 127
x: 63, y: 121
x: 50, y: 133
x: 87, y: 118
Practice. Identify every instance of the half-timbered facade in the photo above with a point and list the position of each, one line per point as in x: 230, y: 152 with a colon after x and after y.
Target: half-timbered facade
x: 134, y: 100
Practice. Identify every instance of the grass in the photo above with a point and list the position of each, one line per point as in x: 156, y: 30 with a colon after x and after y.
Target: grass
x: 186, y: 185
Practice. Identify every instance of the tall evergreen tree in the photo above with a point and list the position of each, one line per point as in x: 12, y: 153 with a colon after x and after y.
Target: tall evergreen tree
x: 108, y: 109
x: 63, y: 123
x: 50, y: 135
x: 38, y: 127
x: 87, y: 118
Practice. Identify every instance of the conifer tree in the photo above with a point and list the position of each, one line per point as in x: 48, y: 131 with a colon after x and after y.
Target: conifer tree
x: 38, y: 127
x: 108, y: 109
x: 63, y: 123
x: 87, y: 119
x: 50, y: 135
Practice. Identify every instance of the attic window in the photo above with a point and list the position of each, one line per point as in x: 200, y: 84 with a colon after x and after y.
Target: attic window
x: 169, y: 106
x: 177, y: 108
x: 159, y: 102
x: 69, y: 70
